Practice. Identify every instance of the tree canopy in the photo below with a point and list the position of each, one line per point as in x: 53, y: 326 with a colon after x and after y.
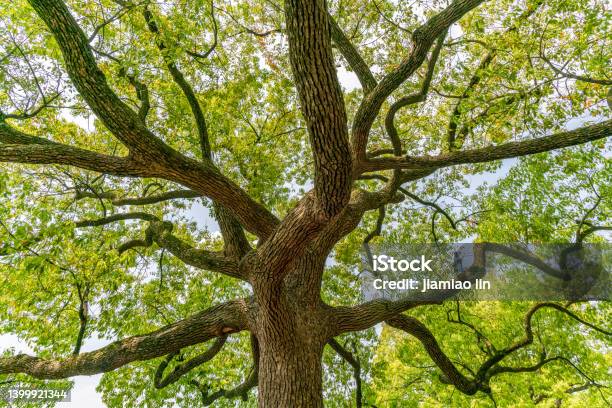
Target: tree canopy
x: 192, y: 181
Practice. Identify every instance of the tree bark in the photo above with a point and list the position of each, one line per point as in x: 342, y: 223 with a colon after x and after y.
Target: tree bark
x: 290, y: 373
x: 292, y: 331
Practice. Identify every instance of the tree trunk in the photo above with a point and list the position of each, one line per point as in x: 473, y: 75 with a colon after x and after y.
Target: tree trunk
x: 291, y: 331
x: 290, y: 375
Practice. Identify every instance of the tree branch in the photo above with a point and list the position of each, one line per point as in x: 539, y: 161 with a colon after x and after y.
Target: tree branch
x: 352, y: 56
x: 160, y: 232
x: 27, y: 115
x: 412, y: 99
x: 354, y: 362
x: 91, y: 82
x: 180, y: 80
x: 83, y: 317
x: 70, y: 156
x: 142, y: 93
x: 483, y: 371
x: 160, y: 159
x: 10, y: 135
x: 314, y: 72
x: 489, y: 368
x: 366, y: 315
x: 489, y: 347
x: 417, y: 329
x: 241, y: 390
x: 569, y: 74
x: 19, y: 147
x: 431, y: 204
x: 235, y: 241
x: 422, y: 38
x: 214, y: 322
x: 116, y: 217
x: 407, y: 177
x: 146, y: 200
x: 116, y: 16
x: 212, y: 47
x: 379, y: 224
x: 161, y: 382
x: 527, y: 258
x: 498, y: 152
x: 477, y: 76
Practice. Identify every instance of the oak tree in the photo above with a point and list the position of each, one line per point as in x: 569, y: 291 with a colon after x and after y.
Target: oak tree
x: 304, y: 129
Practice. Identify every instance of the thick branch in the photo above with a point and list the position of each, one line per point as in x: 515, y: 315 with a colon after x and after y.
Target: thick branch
x: 56, y: 153
x: 91, y: 82
x: 368, y: 314
x: 498, y: 152
x: 214, y: 322
x: 161, y: 233
x: 19, y: 147
x: 321, y: 101
x: 10, y: 135
x: 235, y: 243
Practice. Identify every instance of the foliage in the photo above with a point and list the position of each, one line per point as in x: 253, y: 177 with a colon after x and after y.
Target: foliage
x: 49, y: 268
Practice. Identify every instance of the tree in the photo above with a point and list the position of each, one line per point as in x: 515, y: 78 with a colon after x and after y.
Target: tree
x: 292, y: 168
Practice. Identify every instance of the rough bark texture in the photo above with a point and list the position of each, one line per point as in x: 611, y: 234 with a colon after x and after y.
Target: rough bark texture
x: 321, y: 99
